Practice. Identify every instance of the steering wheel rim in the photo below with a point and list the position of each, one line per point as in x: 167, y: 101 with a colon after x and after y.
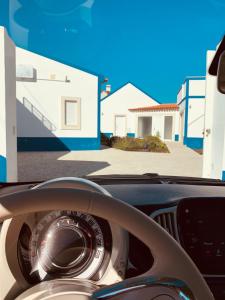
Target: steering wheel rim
x: 175, y: 263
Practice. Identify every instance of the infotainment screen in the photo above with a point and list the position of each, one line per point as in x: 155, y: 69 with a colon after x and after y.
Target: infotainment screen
x: 201, y: 226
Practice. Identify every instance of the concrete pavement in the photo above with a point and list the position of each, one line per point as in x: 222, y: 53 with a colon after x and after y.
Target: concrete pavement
x: 45, y: 165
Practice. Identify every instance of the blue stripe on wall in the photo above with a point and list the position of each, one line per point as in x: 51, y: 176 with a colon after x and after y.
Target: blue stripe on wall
x: 223, y: 175
x: 186, y: 111
x: 197, y: 97
x: 130, y: 134
x: 99, y: 112
x: 57, y: 144
x: 193, y: 143
x: 176, y: 137
x: 194, y: 78
x: 3, y: 169
x: 191, y: 97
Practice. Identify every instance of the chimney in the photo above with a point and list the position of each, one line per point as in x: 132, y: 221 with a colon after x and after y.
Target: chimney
x: 108, y: 88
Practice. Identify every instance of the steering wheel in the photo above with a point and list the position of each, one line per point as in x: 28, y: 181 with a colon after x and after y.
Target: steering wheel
x: 173, y: 273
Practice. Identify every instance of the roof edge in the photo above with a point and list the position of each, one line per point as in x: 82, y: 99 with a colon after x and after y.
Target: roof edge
x: 130, y: 82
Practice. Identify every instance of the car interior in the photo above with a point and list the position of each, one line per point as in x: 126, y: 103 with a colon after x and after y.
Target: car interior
x: 113, y: 237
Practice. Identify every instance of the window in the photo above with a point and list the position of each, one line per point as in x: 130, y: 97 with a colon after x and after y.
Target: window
x: 71, y: 113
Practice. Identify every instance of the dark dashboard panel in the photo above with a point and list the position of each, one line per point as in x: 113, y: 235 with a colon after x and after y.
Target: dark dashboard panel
x: 149, y: 195
x: 205, y: 203
x: 201, y: 226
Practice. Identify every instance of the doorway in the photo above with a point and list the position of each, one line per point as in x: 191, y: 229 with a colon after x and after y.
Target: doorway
x: 144, y: 126
x: 168, y: 127
x: 120, y: 125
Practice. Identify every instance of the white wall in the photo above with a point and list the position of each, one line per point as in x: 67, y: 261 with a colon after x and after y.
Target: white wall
x: 119, y: 103
x: 196, y: 115
x: 46, y: 94
x: 181, y: 117
x: 196, y: 87
x: 213, y: 159
x: 8, y: 137
x: 181, y: 93
x: 196, y: 108
x: 158, y: 118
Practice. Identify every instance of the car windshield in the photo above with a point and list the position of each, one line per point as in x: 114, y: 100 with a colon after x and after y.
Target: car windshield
x: 95, y: 87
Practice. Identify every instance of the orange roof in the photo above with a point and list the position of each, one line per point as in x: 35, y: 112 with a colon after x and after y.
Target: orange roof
x: 167, y: 106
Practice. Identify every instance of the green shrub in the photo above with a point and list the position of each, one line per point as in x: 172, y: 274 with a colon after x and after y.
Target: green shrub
x: 150, y: 144
x: 155, y: 144
x: 114, y: 140
x: 128, y: 143
x: 105, y: 140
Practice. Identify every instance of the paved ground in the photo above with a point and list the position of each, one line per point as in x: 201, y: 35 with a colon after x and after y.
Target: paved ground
x: 44, y: 165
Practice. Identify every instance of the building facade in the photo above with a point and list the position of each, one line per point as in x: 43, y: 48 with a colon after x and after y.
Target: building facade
x: 191, y: 102
x: 116, y: 118
x: 45, y: 106
x: 160, y: 120
x: 58, y: 106
x: 214, y: 142
x: 8, y: 135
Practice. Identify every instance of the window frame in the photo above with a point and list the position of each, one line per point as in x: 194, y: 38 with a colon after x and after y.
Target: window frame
x: 63, y: 113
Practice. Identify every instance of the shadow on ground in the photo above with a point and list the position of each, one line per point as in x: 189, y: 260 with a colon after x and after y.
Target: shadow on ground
x: 48, y: 165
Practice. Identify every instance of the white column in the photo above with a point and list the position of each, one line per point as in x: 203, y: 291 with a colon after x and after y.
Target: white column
x: 214, y: 127
x: 8, y: 135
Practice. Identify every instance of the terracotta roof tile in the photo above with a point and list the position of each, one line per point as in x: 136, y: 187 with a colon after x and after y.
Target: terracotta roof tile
x: 166, y: 106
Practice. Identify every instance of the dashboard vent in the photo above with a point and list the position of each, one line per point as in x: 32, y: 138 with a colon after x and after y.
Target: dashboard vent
x: 167, y: 219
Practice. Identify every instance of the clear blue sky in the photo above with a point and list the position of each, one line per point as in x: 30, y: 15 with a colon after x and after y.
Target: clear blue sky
x: 152, y: 43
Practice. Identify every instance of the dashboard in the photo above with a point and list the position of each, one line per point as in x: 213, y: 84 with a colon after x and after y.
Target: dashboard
x: 200, y: 225
x: 67, y: 244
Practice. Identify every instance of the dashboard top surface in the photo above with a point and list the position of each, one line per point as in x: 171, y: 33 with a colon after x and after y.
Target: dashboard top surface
x: 143, y: 194
x: 155, y: 194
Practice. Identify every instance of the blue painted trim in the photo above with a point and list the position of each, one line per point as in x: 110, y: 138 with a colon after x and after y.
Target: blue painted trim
x: 196, y: 97
x: 99, y: 112
x: 193, y: 143
x: 191, y: 78
x: 194, y: 78
x: 186, y: 111
x: 3, y: 169
x: 108, y: 134
x: 191, y: 97
x: 130, y: 82
x: 176, y: 137
x: 223, y: 175
x: 57, y: 144
x: 130, y: 134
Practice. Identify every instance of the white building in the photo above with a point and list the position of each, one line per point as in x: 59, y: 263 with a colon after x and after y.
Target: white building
x: 8, y: 150
x: 191, y: 101
x: 131, y: 112
x: 214, y: 142
x: 44, y: 106
x: 116, y: 118
x: 58, y: 106
x: 161, y: 120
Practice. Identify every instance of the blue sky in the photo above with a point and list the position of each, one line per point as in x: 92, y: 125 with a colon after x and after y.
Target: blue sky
x: 154, y: 44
